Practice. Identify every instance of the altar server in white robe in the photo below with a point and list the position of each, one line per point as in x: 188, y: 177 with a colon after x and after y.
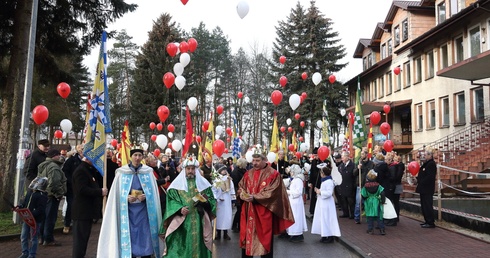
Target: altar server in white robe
x: 223, y: 189
x: 295, y: 194
x: 325, y: 221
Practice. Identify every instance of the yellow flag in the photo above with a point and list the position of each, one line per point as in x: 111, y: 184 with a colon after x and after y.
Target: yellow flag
x: 275, y: 137
x: 284, y: 148
x: 125, y: 145
x: 208, y: 146
x: 294, y: 141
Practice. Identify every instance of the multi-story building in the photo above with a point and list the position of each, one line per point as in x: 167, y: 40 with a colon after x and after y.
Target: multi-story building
x: 430, y: 61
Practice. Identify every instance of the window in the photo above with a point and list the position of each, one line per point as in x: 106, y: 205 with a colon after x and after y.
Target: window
x: 420, y: 117
x: 430, y: 64
x: 441, y: 12
x: 397, y: 35
x: 475, y: 45
x: 398, y: 82
x: 444, y: 56
x: 375, y: 90
x: 381, y: 90
x: 418, y: 69
x: 460, y: 109
x: 404, y: 29
x: 444, y: 104
x: 407, y: 74
x: 365, y: 63
x: 370, y: 60
x: 458, y: 49
x: 381, y: 84
x: 383, y: 51
x: 454, y: 7
x: 431, y: 109
x: 478, y: 106
x: 389, y: 83
x: 390, y: 47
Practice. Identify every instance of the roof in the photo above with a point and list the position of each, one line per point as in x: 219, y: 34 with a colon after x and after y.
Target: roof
x: 363, y: 43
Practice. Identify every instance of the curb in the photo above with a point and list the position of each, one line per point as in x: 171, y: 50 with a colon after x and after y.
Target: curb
x: 5, y: 238
x: 353, y: 248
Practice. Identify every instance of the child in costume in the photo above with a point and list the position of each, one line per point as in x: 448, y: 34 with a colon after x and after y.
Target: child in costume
x: 374, y: 198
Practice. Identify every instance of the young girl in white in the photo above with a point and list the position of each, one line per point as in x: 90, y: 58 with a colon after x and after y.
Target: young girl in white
x: 295, y: 194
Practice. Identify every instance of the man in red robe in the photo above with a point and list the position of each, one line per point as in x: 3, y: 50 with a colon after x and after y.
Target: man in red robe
x: 265, y: 208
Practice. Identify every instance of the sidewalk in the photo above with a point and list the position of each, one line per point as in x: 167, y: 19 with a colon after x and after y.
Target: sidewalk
x: 407, y: 239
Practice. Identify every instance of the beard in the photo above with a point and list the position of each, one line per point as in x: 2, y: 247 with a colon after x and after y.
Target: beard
x: 191, y: 176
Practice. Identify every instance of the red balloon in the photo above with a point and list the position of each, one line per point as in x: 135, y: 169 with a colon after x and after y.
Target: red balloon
x: 171, y: 49
x: 156, y: 152
x: 218, y: 147
x: 114, y: 143
x: 302, y: 124
x: 388, y: 145
x: 184, y: 47
x: 304, y: 95
x: 323, y: 152
x: 290, y: 129
x: 168, y: 79
x: 153, y: 137
x: 159, y: 126
x: 58, y: 134
x: 282, y: 59
x: 225, y: 151
x: 228, y: 139
x: 163, y: 112
x: 240, y: 95
x: 198, y: 139
x: 171, y: 128
x: 414, y: 168
x: 283, y: 81
x: 192, y: 41
x: 219, y: 109
x: 304, y: 76
x: 298, y: 155
x: 184, y: 1
x: 152, y: 125
x: 375, y: 117
x: 301, y: 99
x: 283, y: 129
x: 63, y: 89
x: 385, y: 128
x: 119, y: 146
x: 206, y: 125
x: 291, y: 147
x: 397, y: 70
x: 297, y: 116
x: 276, y: 97
x: 332, y: 78
x: 229, y: 131
x: 169, y: 145
x: 386, y: 108
x: 40, y: 114
x: 301, y: 138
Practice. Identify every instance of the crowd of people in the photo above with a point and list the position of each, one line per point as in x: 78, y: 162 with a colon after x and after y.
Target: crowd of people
x: 157, y: 205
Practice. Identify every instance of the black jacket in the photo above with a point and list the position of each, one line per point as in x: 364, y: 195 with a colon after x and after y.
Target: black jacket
x: 87, y: 194
x: 426, y: 178
x: 37, y: 157
x: 348, y: 186
x: 36, y: 201
x: 367, y: 165
x: 68, y: 167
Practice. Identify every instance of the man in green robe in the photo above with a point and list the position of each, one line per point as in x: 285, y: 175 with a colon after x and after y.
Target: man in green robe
x: 191, y: 207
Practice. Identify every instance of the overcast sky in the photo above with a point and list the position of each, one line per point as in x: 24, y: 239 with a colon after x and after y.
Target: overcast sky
x: 352, y: 19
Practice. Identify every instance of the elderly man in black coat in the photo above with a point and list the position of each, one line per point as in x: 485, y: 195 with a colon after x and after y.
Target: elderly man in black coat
x: 87, y: 205
x: 348, y: 186
x: 426, y: 180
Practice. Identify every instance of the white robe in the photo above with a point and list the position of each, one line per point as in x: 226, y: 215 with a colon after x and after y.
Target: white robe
x: 325, y: 221
x: 295, y: 194
x: 224, y: 208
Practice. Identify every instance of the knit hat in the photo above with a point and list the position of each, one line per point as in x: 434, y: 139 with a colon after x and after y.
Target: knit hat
x: 133, y: 151
x: 43, y: 142
x: 53, y: 153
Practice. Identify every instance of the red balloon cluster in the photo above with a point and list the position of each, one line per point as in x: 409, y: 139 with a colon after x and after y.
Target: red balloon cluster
x: 218, y: 147
x: 291, y: 147
x: 290, y: 129
x: 63, y: 89
x: 304, y: 76
x: 283, y: 81
x: 172, y: 49
x: 332, y: 78
x: 385, y: 128
x: 388, y: 145
x: 168, y: 79
x: 171, y: 128
x: 323, y: 153
x: 276, y: 97
x: 40, y: 114
x: 159, y: 126
x: 58, y: 134
x: 283, y: 129
x: 156, y: 152
x: 297, y: 116
x: 302, y: 124
x: 219, y: 109
x: 192, y: 42
x: 282, y: 59
x: 184, y: 47
x: 163, y: 112
x: 375, y: 117
x: 240, y: 95
x: 152, y: 125
x: 206, y: 125
x: 153, y: 137
x: 414, y: 168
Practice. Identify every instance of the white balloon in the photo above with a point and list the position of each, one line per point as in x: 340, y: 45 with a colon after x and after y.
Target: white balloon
x: 319, y: 124
x: 316, y: 78
x: 64, y: 135
x: 271, y: 157
x: 178, y: 69
x: 242, y: 9
x: 288, y: 121
x: 177, y: 44
x: 145, y: 146
x: 185, y: 58
x: 304, y: 147
x: 248, y: 156
x: 219, y: 129
x: 342, y: 111
x: 192, y: 103
x: 161, y: 141
x: 216, y: 137
x: 246, y: 99
x: 294, y: 101
x: 180, y: 82
x: 176, y: 145
x: 341, y: 138
x: 66, y: 125
x: 170, y: 135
